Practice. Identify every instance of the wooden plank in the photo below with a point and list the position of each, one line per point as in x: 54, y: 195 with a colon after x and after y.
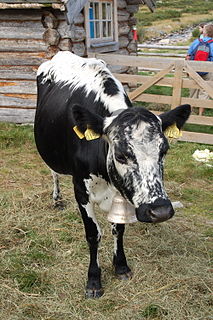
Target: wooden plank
x: 159, y: 54
x: 145, y: 97
x: 17, y: 115
x: 18, y: 73
x: 198, y: 102
x: 197, y: 137
x: 208, y: 121
x: 21, y: 101
x: 134, y: 94
x: 21, y: 33
x: 202, y: 83
x: 177, y: 84
x: 20, y: 87
x: 22, y: 45
x: 151, y: 62
x: 163, y: 47
x: 167, y: 81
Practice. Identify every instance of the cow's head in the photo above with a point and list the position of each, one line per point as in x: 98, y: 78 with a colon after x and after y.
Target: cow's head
x: 137, y: 147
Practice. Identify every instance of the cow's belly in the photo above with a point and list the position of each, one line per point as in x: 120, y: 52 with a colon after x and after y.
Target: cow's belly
x: 100, y: 192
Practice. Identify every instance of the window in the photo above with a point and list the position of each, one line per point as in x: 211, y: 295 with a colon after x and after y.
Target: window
x: 100, y: 17
x: 102, y: 25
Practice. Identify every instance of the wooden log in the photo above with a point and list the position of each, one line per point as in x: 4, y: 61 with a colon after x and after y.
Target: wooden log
x: 51, y: 51
x: 21, y: 59
x: 65, y: 45
x: 18, y: 73
x: 20, y: 101
x: 22, y: 45
x: 51, y: 37
x: 21, y: 33
x: 20, y: 87
x: 17, y: 115
x: 25, y: 15
x: 30, y: 1
x: 49, y: 20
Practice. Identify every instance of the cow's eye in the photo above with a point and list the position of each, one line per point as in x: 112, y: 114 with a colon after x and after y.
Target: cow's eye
x: 120, y: 157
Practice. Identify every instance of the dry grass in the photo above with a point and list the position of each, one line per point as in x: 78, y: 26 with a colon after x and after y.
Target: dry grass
x: 44, y: 257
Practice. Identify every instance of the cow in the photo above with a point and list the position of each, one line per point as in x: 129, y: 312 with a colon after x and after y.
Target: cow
x: 85, y: 126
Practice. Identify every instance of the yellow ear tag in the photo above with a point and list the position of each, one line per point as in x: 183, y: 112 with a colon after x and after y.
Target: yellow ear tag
x: 78, y: 132
x: 173, y: 132
x: 91, y: 135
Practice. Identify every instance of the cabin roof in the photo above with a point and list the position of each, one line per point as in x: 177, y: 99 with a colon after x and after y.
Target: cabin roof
x: 73, y: 7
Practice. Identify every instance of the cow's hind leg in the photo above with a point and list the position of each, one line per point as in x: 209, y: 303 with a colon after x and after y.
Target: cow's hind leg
x: 57, y: 198
x: 122, y: 270
x: 93, y: 236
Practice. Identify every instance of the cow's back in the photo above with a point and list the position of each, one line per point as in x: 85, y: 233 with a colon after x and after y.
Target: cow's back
x: 63, y: 82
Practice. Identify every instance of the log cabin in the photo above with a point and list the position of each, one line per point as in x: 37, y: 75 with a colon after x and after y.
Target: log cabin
x: 33, y: 31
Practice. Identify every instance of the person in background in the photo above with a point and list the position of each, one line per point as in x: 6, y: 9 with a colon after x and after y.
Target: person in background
x: 207, y: 35
x: 201, y: 26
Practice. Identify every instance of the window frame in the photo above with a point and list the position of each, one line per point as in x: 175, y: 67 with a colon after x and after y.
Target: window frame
x: 102, y: 44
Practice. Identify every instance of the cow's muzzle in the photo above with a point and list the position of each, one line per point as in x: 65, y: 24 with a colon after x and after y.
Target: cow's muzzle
x: 158, y: 211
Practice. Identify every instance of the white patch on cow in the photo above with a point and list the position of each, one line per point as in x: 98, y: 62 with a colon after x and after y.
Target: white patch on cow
x: 56, y: 187
x: 146, y: 152
x: 67, y: 68
x: 89, y: 207
x: 100, y: 192
x: 115, y: 237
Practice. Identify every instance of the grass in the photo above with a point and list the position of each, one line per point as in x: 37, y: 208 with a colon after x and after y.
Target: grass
x: 172, y: 16
x: 44, y: 256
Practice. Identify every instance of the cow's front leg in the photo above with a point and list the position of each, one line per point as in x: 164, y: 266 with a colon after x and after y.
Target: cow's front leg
x: 93, y: 236
x: 122, y: 270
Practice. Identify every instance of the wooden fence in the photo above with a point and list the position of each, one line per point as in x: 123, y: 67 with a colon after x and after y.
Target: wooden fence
x: 18, y: 89
x: 179, y: 69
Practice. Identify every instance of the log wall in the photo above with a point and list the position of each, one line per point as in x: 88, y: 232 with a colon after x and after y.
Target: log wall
x: 27, y: 38
x: 30, y: 36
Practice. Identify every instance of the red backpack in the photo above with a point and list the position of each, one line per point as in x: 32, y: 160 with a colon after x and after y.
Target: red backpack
x: 202, y: 52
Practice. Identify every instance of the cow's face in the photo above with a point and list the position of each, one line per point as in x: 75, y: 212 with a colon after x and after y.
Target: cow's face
x: 137, y: 147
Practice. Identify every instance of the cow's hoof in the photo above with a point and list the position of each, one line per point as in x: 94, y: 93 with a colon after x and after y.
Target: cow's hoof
x: 93, y: 293
x: 125, y: 276
x: 59, y: 204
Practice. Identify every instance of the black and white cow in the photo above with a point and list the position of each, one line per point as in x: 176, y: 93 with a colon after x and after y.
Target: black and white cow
x: 127, y: 158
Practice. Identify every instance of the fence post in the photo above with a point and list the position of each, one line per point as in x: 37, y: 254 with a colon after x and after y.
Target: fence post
x: 177, y: 84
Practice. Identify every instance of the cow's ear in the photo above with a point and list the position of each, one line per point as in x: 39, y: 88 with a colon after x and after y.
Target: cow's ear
x: 177, y: 116
x: 85, y: 119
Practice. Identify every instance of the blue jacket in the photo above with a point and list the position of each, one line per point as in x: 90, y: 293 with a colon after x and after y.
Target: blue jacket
x: 195, y: 44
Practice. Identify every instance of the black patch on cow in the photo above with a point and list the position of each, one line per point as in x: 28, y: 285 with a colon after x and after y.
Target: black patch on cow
x: 128, y: 102
x: 110, y: 87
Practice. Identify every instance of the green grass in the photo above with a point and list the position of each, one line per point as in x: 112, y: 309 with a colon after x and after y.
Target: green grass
x: 44, y: 255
